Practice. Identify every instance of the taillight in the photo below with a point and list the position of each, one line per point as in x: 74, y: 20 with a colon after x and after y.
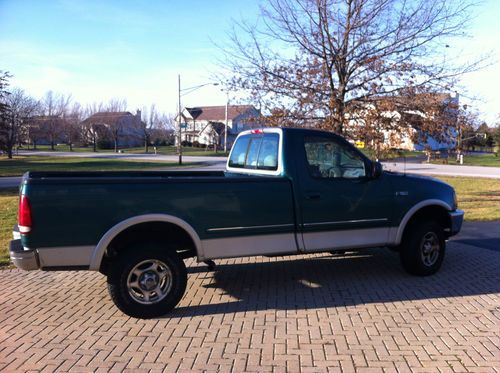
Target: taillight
x: 25, y: 222
x: 257, y: 132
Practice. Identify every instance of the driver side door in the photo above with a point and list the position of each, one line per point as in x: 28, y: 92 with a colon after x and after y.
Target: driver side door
x: 342, y: 205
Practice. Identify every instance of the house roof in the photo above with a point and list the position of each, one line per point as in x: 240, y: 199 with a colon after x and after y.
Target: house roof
x: 218, y: 113
x: 107, y: 117
x: 47, y: 119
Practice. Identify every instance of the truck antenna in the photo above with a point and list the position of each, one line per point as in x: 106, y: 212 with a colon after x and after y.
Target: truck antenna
x: 404, y: 160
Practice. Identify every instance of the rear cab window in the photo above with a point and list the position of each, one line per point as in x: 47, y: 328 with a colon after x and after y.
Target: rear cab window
x: 256, y: 152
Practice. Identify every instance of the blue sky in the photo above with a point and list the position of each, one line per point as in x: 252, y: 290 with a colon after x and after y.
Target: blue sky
x: 134, y: 49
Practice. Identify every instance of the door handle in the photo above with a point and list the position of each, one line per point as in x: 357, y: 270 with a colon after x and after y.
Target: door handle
x: 313, y: 195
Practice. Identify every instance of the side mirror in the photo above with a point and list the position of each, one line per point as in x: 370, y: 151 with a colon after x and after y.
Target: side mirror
x: 376, y: 169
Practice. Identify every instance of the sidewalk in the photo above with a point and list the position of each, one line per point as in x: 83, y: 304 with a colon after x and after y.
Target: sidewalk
x: 442, y: 169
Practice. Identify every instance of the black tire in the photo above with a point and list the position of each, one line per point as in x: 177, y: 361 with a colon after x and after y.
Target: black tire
x: 146, y: 282
x: 423, y: 248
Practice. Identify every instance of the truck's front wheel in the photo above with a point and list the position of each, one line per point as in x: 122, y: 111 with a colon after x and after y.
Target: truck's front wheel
x: 423, y: 248
x: 147, y: 282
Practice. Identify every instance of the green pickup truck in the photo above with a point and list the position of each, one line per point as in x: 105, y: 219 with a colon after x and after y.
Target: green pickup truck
x: 284, y: 191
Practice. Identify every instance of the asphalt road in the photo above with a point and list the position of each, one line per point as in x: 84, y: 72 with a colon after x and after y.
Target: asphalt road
x: 218, y: 163
x: 443, y: 169
x: 129, y: 156
x: 205, y: 163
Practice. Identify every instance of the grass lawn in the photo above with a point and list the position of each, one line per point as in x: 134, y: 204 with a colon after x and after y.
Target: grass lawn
x: 480, y: 198
x: 20, y: 164
x: 163, y: 150
x: 488, y: 160
x: 391, y: 154
x: 8, y: 218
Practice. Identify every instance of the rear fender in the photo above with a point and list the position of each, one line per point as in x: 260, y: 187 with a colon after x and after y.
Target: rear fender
x: 103, y: 244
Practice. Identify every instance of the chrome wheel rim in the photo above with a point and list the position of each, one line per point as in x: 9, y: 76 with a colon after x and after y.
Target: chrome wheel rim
x: 429, y: 249
x: 149, y: 281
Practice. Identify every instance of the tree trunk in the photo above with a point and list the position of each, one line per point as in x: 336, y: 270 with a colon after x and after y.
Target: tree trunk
x: 70, y: 147
x: 116, y: 146
x: 52, y: 145
x: 94, y: 145
x: 9, y: 152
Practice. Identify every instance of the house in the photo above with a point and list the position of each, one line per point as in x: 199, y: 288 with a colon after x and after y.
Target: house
x: 120, y: 127
x: 46, y: 130
x: 399, y: 122
x: 205, y: 125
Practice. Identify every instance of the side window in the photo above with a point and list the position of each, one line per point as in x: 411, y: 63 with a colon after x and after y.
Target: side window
x: 328, y: 159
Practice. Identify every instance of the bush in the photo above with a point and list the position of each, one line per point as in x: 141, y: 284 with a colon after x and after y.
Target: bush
x: 105, y: 144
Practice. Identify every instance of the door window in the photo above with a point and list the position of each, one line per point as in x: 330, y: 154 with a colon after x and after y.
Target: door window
x: 330, y: 159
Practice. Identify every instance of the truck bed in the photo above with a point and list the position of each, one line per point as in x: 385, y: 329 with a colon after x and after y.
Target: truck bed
x: 78, y: 208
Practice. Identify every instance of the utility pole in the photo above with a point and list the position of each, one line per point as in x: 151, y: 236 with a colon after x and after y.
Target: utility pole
x: 179, y: 145
x: 225, y: 129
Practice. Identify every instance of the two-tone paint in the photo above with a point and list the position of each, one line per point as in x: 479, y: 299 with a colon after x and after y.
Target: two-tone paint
x: 227, y: 214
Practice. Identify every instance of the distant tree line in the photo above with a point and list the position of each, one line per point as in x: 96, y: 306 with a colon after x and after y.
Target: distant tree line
x: 56, y: 118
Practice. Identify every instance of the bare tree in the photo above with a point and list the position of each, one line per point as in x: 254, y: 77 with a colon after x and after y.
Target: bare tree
x: 91, y: 129
x: 162, y: 130
x: 4, y: 84
x: 316, y: 61
x: 71, y: 121
x: 496, y: 136
x: 19, y: 108
x: 116, y: 127
x: 54, y: 108
x: 150, y: 122
x: 4, y: 93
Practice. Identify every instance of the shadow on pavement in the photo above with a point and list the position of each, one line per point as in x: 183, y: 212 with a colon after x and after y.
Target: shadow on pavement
x: 371, y: 276
x: 484, y: 243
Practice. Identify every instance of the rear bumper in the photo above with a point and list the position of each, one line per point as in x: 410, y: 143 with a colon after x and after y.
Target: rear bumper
x: 456, y: 219
x: 23, y: 259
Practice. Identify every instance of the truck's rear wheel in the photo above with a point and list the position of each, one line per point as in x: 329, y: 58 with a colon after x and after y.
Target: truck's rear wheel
x: 423, y: 249
x: 147, y: 282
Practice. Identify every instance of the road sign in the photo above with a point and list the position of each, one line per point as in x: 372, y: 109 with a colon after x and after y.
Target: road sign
x: 360, y: 144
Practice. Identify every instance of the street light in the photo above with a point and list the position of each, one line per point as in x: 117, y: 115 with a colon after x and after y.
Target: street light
x: 180, y: 94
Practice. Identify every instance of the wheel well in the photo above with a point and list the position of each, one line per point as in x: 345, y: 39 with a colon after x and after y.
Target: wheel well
x: 430, y: 213
x: 169, y: 235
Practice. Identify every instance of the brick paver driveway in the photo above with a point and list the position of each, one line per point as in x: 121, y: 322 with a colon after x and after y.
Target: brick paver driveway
x: 318, y: 313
